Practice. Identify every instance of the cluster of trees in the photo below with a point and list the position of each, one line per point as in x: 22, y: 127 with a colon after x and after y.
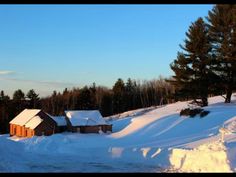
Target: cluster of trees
x: 123, y: 96
x: 207, y: 64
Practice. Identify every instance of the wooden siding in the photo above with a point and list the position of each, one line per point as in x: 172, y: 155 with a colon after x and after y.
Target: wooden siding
x: 29, y: 133
x: 60, y: 129
x: 106, y: 128
x: 12, y: 129
x: 20, y: 131
x: 92, y: 129
x: 51, y: 123
x: 44, y: 129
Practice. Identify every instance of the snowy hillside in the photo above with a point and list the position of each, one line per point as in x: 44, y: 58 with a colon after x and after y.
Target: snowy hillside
x: 155, y: 139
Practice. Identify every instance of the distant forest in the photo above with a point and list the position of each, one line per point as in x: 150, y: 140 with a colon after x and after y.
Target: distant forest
x: 123, y: 96
x: 206, y: 66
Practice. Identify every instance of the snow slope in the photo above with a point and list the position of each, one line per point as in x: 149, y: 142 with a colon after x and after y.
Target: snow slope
x: 154, y: 139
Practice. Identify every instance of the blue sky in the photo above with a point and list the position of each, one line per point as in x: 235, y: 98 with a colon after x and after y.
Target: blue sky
x: 50, y: 47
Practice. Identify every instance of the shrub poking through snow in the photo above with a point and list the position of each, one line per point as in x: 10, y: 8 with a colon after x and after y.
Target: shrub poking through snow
x: 185, y: 112
x: 193, y: 112
x: 204, y: 113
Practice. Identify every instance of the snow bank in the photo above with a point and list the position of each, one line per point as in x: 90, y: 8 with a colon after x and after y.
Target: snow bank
x: 11, y: 155
x: 230, y: 125
x: 210, y: 157
x: 132, y: 113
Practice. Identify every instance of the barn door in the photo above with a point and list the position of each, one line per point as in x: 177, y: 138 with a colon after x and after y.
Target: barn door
x: 100, y: 129
x: 78, y: 129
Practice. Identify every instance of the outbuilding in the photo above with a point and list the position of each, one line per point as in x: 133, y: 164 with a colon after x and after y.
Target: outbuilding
x: 86, y: 121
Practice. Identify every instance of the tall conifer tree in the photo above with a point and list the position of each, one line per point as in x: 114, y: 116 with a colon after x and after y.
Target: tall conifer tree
x: 222, y: 29
x: 192, y: 67
x: 118, y: 96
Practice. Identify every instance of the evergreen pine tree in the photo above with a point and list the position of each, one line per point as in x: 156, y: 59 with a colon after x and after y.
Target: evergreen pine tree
x: 54, y: 102
x: 182, y: 80
x: 87, y: 99
x: 18, y: 95
x: 222, y: 29
x: 129, y: 94
x: 192, y: 68
x: 118, y: 96
x: 18, y: 101
x: 4, y: 112
x: 93, y: 99
x: 106, y: 104
x: 33, y: 97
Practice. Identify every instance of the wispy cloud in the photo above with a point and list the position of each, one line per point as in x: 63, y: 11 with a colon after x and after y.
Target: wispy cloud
x: 45, y: 83
x: 5, y: 72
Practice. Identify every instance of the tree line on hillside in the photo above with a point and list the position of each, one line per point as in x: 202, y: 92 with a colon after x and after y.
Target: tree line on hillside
x: 207, y: 63
x: 123, y: 96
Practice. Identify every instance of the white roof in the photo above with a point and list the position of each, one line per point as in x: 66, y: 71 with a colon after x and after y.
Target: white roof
x: 85, y: 117
x: 60, y: 120
x: 34, y: 122
x: 24, y: 116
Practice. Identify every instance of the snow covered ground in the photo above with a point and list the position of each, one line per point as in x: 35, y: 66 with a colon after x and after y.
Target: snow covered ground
x: 154, y: 139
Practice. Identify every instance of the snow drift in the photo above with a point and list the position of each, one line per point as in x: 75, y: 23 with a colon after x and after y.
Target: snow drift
x: 210, y: 157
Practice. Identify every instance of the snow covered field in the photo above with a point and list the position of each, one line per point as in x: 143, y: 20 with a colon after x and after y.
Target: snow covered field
x: 155, y: 139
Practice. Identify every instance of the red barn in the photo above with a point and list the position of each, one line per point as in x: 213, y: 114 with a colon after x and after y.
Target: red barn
x: 31, y: 122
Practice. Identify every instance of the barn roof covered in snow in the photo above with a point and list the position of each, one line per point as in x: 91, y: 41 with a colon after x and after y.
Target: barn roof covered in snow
x: 24, y: 116
x: 34, y: 122
x: 85, y: 118
x: 60, y: 120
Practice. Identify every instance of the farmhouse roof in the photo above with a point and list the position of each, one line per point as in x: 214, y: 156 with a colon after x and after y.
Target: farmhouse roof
x: 24, y: 116
x: 60, y: 120
x: 34, y: 122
